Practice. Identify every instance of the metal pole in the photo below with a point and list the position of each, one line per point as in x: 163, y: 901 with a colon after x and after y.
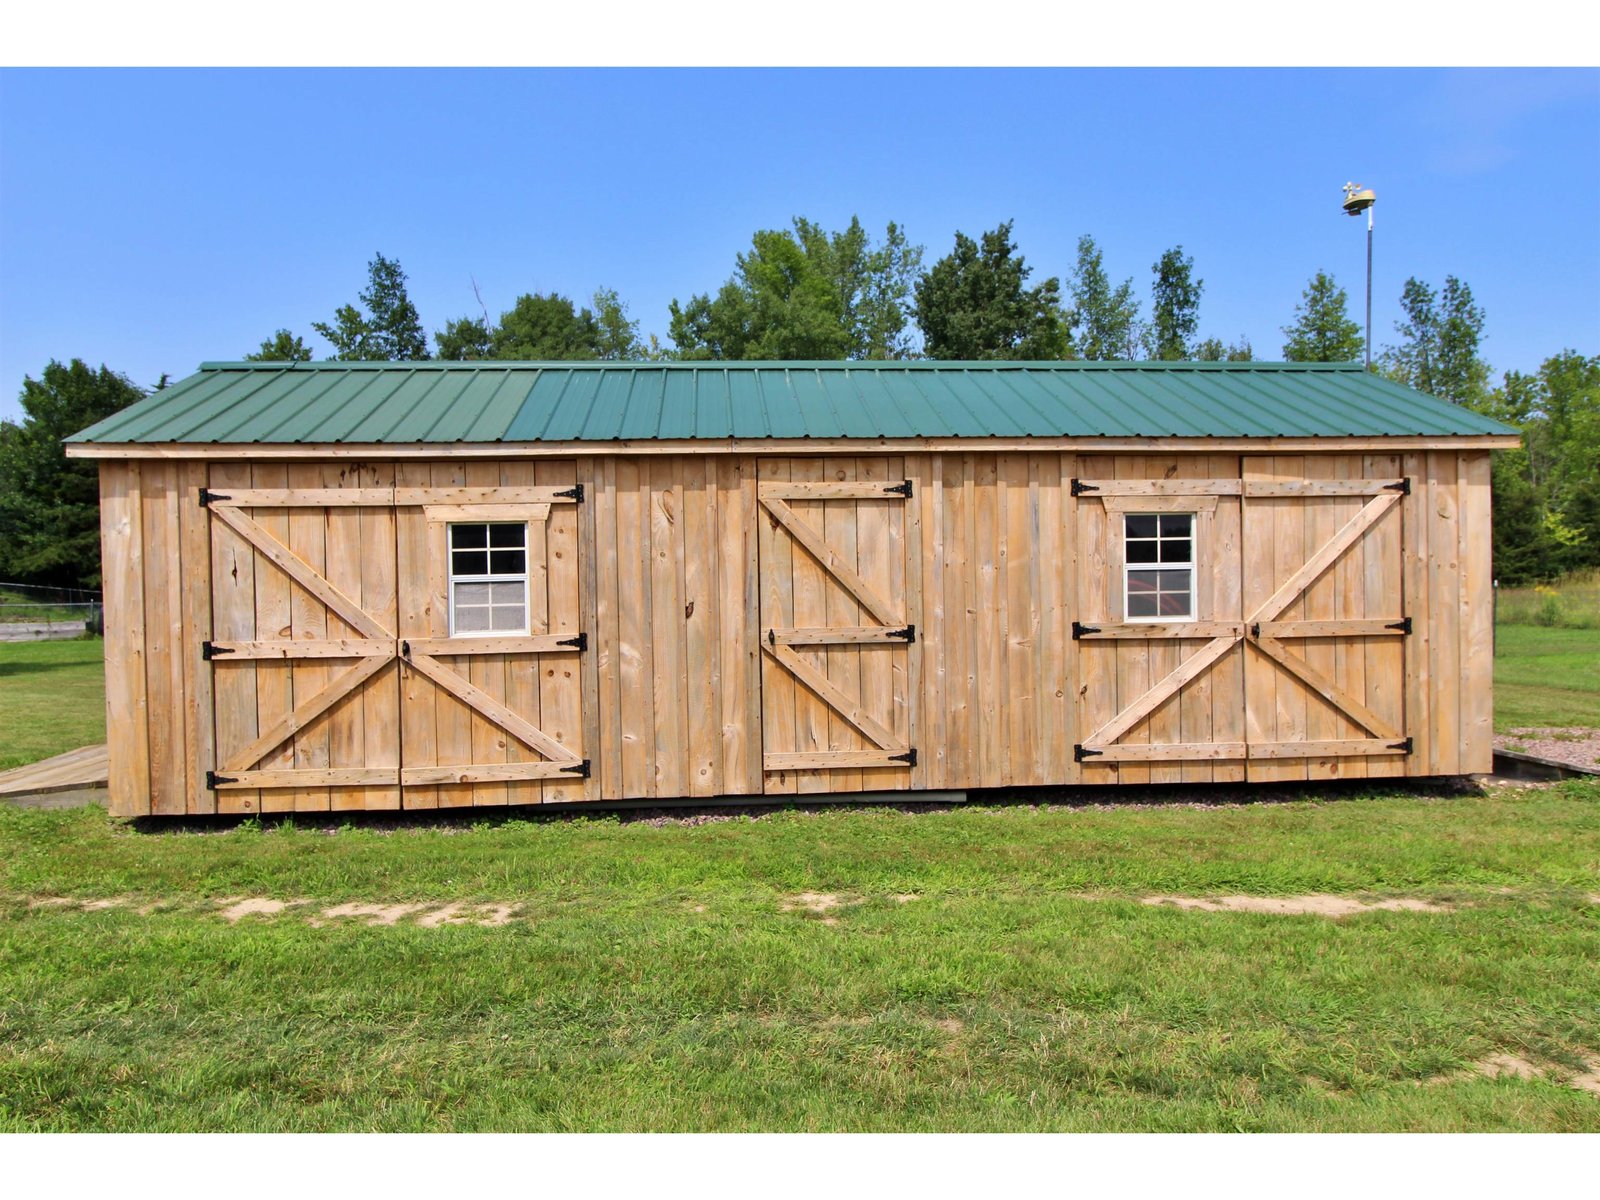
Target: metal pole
x: 1369, y: 289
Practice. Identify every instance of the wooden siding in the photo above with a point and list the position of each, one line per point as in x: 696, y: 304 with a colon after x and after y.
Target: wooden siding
x: 675, y: 572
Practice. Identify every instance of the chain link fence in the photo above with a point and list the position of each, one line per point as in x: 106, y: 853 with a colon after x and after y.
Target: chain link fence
x: 32, y: 613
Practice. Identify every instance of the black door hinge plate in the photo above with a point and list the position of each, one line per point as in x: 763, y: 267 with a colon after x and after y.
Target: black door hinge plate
x: 909, y: 757
x: 210, y: 650
x: 1404, y: 747
x: 580, y: 769
x: 1079, y: 487
x: 1081, y: 752
x: 575, y: 492
x: 1403, y: 486
x: 579, y: 643
x: 207, y: 496
x: 1079, y: 629
x: 899, y: 489
x: 213, y: 780
x: 908, y: 634
x: 1403, y: 625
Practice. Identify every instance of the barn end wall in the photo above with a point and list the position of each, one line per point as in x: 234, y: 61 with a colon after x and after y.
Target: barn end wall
x: 667, y: 567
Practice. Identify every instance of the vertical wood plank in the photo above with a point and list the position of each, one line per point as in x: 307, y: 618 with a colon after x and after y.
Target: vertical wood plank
x: 233, y: 618
x: 1320, y: 521
x: 560, y: 686
x: 1226, y: 572
x: 636, y: 707
x: 935, y: 755
x: 1444, y: 647
x: 343, y: 534
x: 1419, y: 693
x: 163, y: 615
x: 844, y: 665
x: 668, y: 681
x: 588, y: 473
x: 1019, y: 637
x: 308, y: 618
x: 960, y: 678
x: 380, y: 697
x: 1474, y: 545
x: 275, y: 681
x: 1058, y: 567
x: 1385, y: 595
x: 199, y: 716
x: 702, y: 663
x: 1099, y: 602
x: 778, y: 688
x: 810, y: 609
x: 415, y: 581
x: 610, y: 663
x: 488, y: 744
x: 916, y: 470
x: 453, y: 720
x: 986, y: 554
x: 524, y: 672
x: 1134, y: 669
x: 122, y: 575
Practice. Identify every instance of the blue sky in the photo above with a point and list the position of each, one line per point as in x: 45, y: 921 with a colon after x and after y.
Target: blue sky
x: 154, y: 219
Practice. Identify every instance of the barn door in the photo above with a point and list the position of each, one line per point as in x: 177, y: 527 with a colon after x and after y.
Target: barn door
x: 1266, y: 635
x: 834, y: 631
x: 336, y: 677
x: 303, y: 638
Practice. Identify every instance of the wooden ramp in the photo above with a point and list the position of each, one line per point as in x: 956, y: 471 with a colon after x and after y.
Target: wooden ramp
x: 75, y: 770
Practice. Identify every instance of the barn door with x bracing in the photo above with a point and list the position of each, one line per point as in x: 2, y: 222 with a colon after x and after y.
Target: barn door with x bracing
x: 1241, y: 624
x: 341, y: 678
x: 834, y: 631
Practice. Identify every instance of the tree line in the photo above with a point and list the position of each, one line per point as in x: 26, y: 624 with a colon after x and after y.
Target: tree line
x: 808, y: 293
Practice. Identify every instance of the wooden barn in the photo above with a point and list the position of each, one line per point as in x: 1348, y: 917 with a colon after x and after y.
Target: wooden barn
x: 370, y: 586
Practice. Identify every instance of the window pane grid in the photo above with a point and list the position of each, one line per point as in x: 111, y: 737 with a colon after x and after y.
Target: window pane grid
x: 1158, y: 572
x: 488, y: 578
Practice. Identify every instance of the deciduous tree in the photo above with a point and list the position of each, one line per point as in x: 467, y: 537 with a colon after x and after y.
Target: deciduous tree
x: 1174, y: 306
x: 282, y: 346
x: 50, y: 506
x: 388, y: 330
x: 1104, y: 320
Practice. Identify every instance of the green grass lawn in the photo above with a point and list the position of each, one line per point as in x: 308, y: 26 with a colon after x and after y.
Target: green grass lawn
x: 653, y: 978
x: 52, y: 698
x: 1546, y: 676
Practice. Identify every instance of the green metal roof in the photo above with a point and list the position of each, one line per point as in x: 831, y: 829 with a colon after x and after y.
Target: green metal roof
x: 389, y: 402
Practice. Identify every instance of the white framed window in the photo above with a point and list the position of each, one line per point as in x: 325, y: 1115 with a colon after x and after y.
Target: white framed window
x: 1158, y: 566
x: 488, y: 579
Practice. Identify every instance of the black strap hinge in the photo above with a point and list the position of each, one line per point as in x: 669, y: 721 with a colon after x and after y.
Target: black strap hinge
x: 1404, y: 747
x: 213, y: 780
x: 575, y: 492
x: 899, y: 489
x: 1081, y: 752
x: 908, y: 634
x: 1403, y: 625
x: 1402, y: 486
x: 579, y: 643
x: 209, y: 650
x: 1079, y: 629
x: 580, y: 769
x: 207, y: 496
x: 909, y: 757
x: 1079, y: 487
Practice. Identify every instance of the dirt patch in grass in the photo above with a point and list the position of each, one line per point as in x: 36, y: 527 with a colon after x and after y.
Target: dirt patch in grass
x: 1298, y: 906
x: 817, y: 902
x: 1515, y: 1066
